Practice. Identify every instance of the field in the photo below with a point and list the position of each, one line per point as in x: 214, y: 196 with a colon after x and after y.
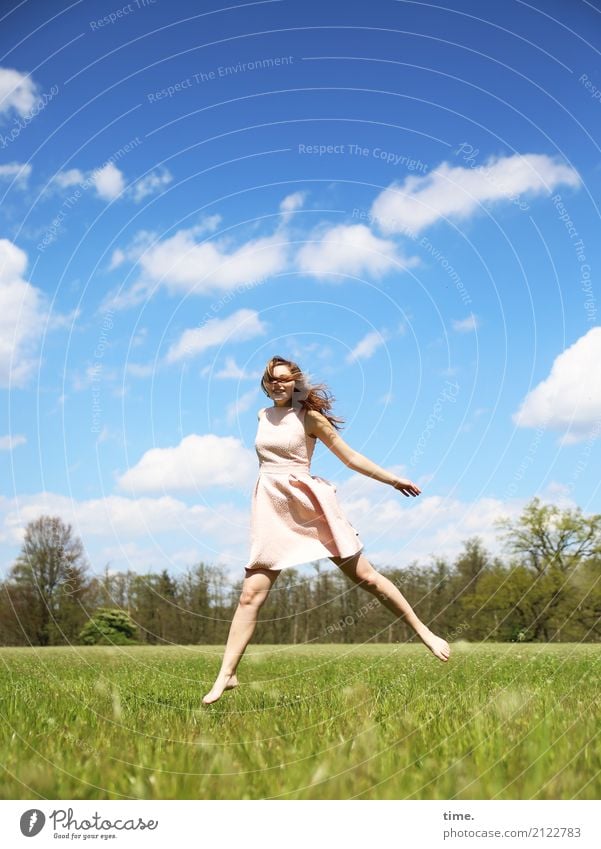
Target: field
x: 499, y: 721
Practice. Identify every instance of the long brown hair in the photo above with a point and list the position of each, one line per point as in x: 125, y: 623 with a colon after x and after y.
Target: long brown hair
x: 319, y: 398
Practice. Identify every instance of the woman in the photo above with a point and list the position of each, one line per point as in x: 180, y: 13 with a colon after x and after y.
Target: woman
x: 295, y: 515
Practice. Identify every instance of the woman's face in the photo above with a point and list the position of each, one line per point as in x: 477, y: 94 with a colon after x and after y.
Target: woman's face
x: 282, y: 386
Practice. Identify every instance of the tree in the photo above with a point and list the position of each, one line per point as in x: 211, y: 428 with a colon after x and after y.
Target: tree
x: 469, y: 568
x: 48, y: 582
x: 471, y: 563
x: 586, y: 621
x: 109, y: 626
x: 547, y: 536
x: 554, y: 546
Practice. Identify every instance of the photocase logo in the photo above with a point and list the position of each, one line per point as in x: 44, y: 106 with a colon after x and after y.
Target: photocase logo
x: 32, y: 822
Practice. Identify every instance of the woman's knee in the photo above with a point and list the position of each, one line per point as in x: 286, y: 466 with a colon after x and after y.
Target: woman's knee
x: 360, y: 570
x: 252, y: 596
x: 255, y: 588
x: 368, y: 577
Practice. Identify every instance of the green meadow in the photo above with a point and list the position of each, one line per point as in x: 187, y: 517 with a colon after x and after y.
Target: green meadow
x: 499, y: 721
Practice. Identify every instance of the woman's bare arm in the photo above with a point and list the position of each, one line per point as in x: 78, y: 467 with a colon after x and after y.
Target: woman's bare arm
x: 318, y: 426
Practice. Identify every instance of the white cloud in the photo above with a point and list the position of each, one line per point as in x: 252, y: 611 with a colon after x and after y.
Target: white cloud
x: 232, y: 370
x: 17, y: 91
x: 145, y: 239
x: 93, y: 373
x: 367, y: 346
x: 121, y: 518
x: 72, y: 177
x: 237, y: 327
x: 17, y: 171
x: 117, y: 258
x: 7, y: 443
x: 465, y: 325
x: 57, y: 321
x: 141, y: 370
x: 570, y: 397
x: 350, y: 249
x: 108, y: 181
x: 241, y: 405
x: 403, y: 528
x: 396, y: 529
x: 132, y: 253
x: 293, y: 201
x: 453, y: 191
x: 181, y: 265
x: 140, y: 337
x: 150, y: 184
x: 290, y: 204
x: 198, y: 462
x: 22, y: 317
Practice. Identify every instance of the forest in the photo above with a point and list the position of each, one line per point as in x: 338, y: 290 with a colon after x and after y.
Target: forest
x: 545, y: 588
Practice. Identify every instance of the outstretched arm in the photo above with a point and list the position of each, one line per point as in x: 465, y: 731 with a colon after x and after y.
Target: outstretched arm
x: 319, y: 427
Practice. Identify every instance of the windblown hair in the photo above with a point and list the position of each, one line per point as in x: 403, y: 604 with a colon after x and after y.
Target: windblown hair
x: 319, y: 398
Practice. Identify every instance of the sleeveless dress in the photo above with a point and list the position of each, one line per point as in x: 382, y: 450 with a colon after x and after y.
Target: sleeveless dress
x: 295, y: 516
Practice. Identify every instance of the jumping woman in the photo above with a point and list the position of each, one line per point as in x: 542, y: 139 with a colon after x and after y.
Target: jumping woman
x: 295, y: 516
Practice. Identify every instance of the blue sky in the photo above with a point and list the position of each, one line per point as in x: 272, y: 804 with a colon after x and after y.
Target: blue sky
x: 401, y: 197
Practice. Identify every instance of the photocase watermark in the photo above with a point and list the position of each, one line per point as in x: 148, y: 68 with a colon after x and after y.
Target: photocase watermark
x: 221, y: 71
x: 448, y: 394
x: 421, y: 242
x: 67, y: 205
x: 593, y: 90
x: 458, y: 630
x: 118, y: 14
x: 25, y: 120
x: 469, y: 154
x: 97, y: 823
x: 346, y: 149
x: 96, y: 370
x: 79, y: 744
x: 590, y: 303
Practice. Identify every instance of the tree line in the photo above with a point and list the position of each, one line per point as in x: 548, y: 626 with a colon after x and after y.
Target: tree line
x: 546, y: 589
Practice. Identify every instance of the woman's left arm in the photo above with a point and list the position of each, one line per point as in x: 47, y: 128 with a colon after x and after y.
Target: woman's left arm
x: 319, y: 427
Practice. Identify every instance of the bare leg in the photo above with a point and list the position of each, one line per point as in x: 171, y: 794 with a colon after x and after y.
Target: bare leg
x: 255, y: 590
x: 361, y: 572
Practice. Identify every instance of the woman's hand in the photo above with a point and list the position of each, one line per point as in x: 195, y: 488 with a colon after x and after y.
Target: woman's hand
x: 407, y: 487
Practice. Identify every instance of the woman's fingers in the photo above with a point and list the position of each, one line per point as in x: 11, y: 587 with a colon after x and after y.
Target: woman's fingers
x: 407, y: 487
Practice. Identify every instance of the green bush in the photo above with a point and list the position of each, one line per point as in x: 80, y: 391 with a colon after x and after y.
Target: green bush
x: 109, y: 626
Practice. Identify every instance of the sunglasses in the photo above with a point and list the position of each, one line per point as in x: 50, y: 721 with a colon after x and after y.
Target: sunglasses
x: 272, y: 380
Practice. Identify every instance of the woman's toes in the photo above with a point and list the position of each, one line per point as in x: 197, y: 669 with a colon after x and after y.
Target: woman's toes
x: 226, y: 682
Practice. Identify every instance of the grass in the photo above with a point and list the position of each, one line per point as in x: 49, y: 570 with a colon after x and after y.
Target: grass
x: 499, y: 721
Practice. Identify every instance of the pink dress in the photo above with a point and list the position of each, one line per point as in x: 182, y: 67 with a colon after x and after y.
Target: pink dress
x: 295, y: 516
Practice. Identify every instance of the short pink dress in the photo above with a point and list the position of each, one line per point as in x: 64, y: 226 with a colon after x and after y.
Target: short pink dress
x: 295, y: 516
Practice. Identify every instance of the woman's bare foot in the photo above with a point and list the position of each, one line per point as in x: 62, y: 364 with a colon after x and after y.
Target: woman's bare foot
x: 223, y: 682
x: 439, y: 647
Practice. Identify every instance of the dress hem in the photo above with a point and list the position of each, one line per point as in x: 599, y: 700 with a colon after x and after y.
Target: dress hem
x: 299, y: 562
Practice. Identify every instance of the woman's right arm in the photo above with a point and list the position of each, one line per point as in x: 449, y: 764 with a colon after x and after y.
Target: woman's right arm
x: 320, y: 427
